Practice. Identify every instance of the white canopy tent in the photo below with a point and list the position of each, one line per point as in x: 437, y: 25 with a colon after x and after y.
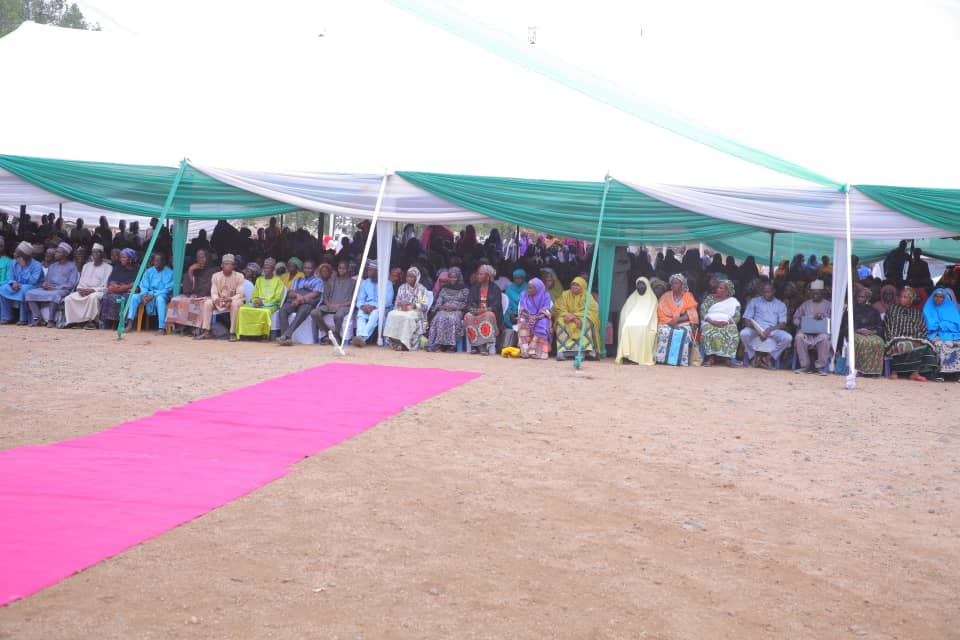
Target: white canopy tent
x: 387, y: 91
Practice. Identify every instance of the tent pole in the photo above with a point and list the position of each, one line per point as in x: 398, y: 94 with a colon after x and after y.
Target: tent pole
x: 852, y: 357
x: 363, y: 260
x: 772, y: 234
x: 153, y: 241
x: 601, y: 331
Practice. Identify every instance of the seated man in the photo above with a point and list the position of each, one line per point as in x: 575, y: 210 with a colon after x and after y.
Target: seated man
x: 253, y: 319
x: 156, y: 288
x: 226, y: 294
x: 337, y: 295
x: 186, y: 309
x: 368, y: 310
x: 305, y: 292
x: 25, y: 274
x: 59, y: 281
x: 818, y: 309
x: 763, y: 333
x: 83, y: 305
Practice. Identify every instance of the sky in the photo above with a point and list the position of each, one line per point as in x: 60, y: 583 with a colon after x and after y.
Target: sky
x: 858, y: 90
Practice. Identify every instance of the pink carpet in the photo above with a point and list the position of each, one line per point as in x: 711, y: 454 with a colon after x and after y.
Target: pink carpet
x: 66, y: 506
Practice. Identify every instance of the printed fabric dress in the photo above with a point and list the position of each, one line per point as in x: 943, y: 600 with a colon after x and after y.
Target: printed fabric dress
x: 446, y: 330
x: 719, y: 341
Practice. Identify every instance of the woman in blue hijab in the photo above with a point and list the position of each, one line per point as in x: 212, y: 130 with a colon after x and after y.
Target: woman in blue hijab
x: 516, y: 289
x: 943, y: 328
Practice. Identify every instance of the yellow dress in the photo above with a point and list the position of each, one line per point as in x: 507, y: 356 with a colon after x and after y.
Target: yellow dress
x: 255, y: 321
x: 638, y: 327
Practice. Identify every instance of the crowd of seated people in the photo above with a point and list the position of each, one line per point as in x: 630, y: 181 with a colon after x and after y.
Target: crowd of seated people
x: 454, y: 292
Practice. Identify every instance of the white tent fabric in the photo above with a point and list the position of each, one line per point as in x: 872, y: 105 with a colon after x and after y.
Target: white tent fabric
x: 814, y: 210
x: 346, y: 194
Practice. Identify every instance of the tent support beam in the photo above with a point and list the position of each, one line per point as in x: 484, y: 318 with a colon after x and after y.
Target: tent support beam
x: 601, y: 331
x: 772, y: 236
x: 153, y: 241
x: 852, y: 357
x: 363, y: 260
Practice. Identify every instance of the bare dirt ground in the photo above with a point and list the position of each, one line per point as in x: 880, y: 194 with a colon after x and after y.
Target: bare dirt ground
x: 534, y: 502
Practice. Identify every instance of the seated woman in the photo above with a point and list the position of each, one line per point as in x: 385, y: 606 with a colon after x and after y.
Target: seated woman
x: 943, y: 328
x: 118, y: 286
x: 910, y: 351
x: 407, y: 321
x: 552, y: 283
x: 867, y: 329
x: 253, y: 318
x: 484, y: 317
x: 720, y: 336
x: 568, y: 311
x: 638, y: 325
x: 446, y: 328
x: 514, y: 292
x: 677, y: 310
x: 534, y: 320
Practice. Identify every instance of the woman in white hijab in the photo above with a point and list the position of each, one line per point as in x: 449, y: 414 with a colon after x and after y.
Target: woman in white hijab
x: 638, y: 325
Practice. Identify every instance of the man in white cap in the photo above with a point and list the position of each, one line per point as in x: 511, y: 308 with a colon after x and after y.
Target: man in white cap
x: 83, y: 305
x: 25, y: 274
x: 226, y: 294
x: 61, y: 278
x: 816, y: 308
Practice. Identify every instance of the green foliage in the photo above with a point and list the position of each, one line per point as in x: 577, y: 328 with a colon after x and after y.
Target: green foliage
x: 56, y: 12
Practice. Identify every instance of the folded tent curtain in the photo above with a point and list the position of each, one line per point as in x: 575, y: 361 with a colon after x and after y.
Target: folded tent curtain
x: 140, y: 189
x: 935, y: 207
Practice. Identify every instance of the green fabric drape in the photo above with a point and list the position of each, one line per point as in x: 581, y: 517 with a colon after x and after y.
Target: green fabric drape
x: 935, y: 207
x: 141, y: 189
x: 516, y: 51
x: 571, y: 208
x: 180, y: 227
x: 604, y: 287
x: 787, y: 245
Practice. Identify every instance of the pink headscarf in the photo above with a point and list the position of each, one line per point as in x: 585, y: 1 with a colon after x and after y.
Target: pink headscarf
x: 442, y: 278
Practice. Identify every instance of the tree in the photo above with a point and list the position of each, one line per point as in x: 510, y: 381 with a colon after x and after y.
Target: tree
x: 13, y: 13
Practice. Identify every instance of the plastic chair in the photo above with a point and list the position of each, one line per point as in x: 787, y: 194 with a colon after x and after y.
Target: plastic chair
x: 140, y: 314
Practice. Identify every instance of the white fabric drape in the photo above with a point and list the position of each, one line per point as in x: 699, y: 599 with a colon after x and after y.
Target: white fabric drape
x: 841, y: 263
x: 814, y: 210
x: 347, y: 194
x: 384, y: 251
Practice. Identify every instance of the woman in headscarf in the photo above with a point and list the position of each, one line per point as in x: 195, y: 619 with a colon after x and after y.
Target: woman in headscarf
x: 118, y: 286
x: 535, y: 321
x: 638, y: 325
x: 716, y: 265
x: 568, y: 311
x: 721, y: 313
x: 552, y: 283
x: 797, y: 271
x: 446, y: 328
x: 407, y: 321
x: 467, y: 244
x: 658, y: 286
x: 910, y: 351
x: 484, y: 317
x: 867, y: 333
x: 888, y: 298
x: 677, y: 310
x: 494, y: 243
x: 514, y: 292
x: 943, y: 328
x: 442, y: 278
x: 783, y: 270
x: 294, y: 270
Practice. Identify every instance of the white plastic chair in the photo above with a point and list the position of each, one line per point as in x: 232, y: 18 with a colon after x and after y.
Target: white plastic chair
x: 276, y: 314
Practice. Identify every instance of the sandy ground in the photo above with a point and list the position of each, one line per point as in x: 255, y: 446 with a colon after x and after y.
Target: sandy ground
x: 534, y: 502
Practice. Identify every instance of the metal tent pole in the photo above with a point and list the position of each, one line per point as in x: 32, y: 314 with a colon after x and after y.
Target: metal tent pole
x: 593, y: 268
x: 852, y: 358
x: 121, y: 325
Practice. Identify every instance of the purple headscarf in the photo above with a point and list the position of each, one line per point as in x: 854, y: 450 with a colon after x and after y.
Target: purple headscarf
x: 533, y: 305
